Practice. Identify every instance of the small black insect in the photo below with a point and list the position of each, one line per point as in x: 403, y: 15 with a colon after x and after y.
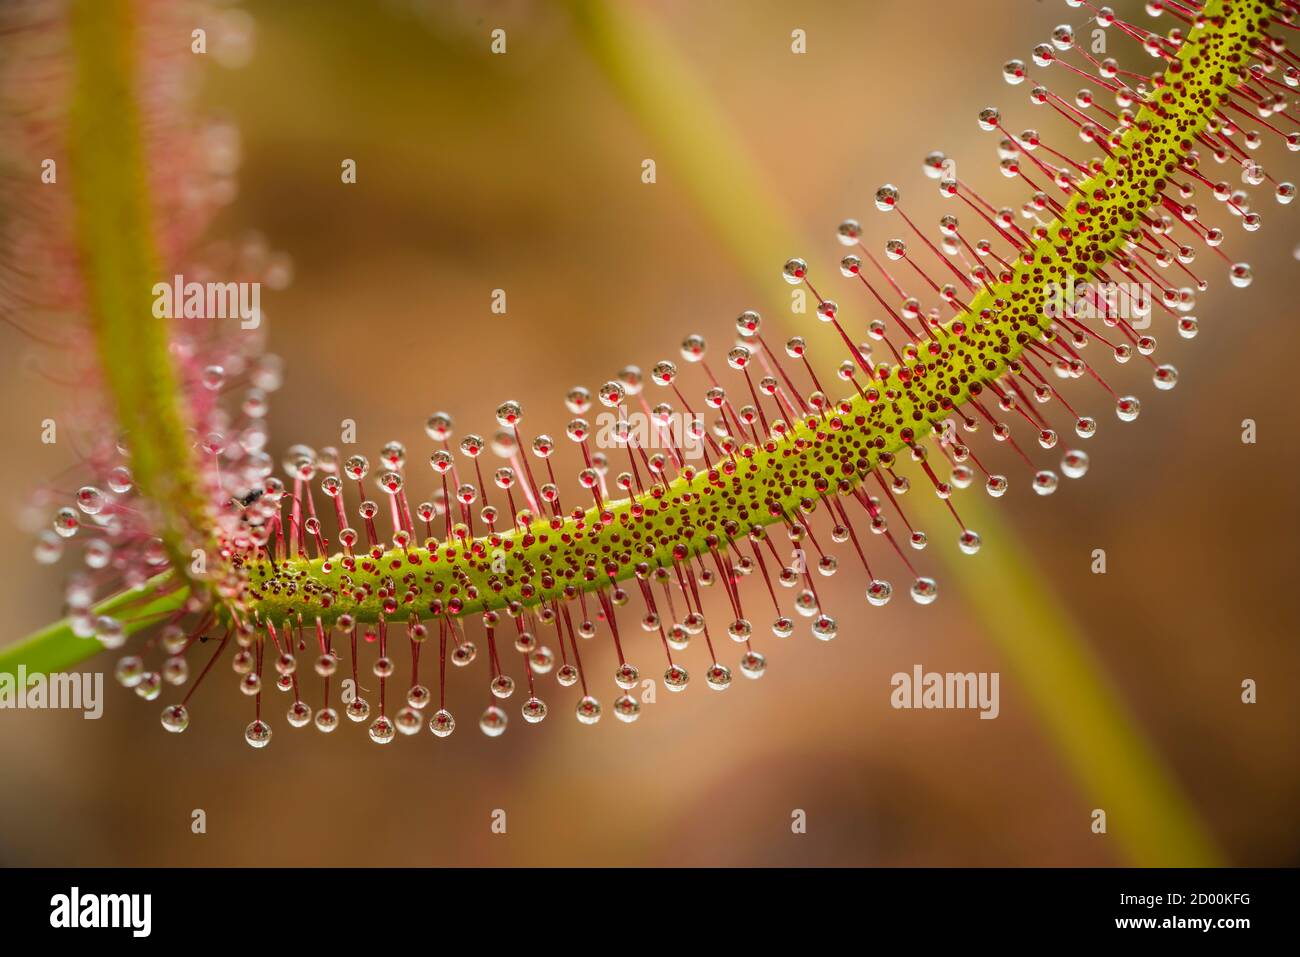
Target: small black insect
x: 249, y: 499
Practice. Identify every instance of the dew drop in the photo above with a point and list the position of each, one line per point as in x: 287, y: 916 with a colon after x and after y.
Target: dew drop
x: 176, y: 671
x: 66, y: 523
x: 752, y: 665
x: 213, y: 377
x: 924, y: 591
x: 327, y: 719
x: 493, y: 722
x: 174, y: 639
x: 299, y: 715
x: 933, y: 164
x: 676, y: 678
x: 129, y: 671
x: 98, y: 553
x: 175, y: 718
x: 90, y: 500
x: 748, y: 324
x: 718, y: 677
x: 627, y: 708
x: 879, y: 592
x: 1074, y: 464
x: 258, y: 733
x: 541, y: 660
x: 442, y: 723
x: 503, y: 686
x: 407, y: 721
x: 825, y: 628
x: 382, y: 730
x: 588, y: 710
x: 626, y: 676
x: 438, y: 426
x: 49, y: 548
x: 693, y: 347
x: 534, y: 710
x: 119, y: 480
x: 242, y: 662
x: 508, y: 414
x: 612, y: 394
x: 110, y: 632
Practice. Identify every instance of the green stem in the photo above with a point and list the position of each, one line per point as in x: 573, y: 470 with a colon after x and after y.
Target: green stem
x: 119, y: 267
x: 1097, y: 736
x: 115, y: 240
x: 1111, y: 758
x: 57, y: 647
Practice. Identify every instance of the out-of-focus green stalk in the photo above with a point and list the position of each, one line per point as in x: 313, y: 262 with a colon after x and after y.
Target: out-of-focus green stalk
x: 692, y: 135
x: 119, y: 266
x: 57, y: 646
x: 1116, y: 767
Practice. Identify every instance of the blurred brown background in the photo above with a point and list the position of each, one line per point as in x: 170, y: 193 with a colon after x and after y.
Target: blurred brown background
x: 523, y: 172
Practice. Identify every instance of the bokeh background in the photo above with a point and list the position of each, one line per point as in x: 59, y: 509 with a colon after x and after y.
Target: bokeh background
x: 522, y: 172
